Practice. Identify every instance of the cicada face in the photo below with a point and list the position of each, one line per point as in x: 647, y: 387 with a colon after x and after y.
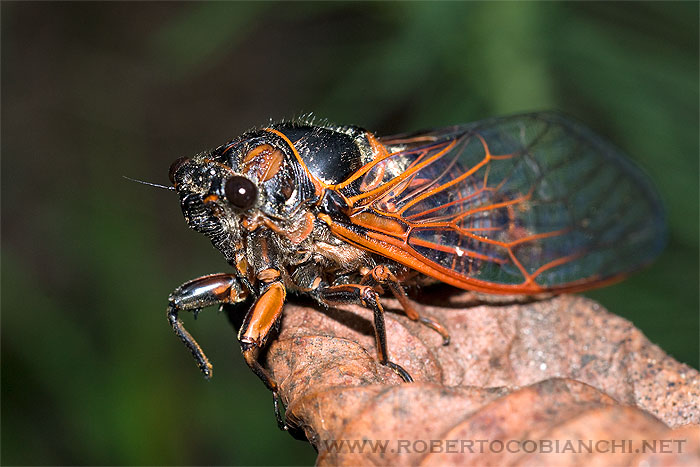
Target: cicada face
x: 250, y: 182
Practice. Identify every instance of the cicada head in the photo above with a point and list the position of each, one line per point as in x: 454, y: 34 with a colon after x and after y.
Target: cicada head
x: 251, y: 182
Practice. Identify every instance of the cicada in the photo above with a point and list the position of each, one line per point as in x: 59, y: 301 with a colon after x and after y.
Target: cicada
x: 526, y: 204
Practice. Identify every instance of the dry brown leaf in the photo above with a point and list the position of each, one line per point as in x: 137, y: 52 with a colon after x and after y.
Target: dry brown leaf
x: 549, y: 371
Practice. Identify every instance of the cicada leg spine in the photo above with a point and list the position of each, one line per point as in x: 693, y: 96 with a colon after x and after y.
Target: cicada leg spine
x: 382, y: 275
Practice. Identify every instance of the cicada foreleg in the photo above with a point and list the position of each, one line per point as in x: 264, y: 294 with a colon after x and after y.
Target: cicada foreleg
x: 195, y: 295
x: 382, y: 275
x: 365, y: 296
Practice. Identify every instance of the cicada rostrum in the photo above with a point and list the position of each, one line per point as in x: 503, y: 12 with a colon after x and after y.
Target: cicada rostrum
x: 517, y: 205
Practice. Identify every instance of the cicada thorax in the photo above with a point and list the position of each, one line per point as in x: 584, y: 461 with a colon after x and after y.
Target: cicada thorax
x: 328, y: 155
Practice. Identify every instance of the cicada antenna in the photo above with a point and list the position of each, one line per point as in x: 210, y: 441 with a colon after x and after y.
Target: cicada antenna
x: 149, y: 183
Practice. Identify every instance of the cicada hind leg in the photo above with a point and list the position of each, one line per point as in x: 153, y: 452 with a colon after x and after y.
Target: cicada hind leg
x: 367, y: 297
x: 383, y: 276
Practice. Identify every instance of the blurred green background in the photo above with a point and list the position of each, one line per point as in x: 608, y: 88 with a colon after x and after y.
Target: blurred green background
x: 91, y: 372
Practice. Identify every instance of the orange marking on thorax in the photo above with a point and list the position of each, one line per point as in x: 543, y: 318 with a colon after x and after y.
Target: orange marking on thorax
x: 318, y: 184
x: 264, y: 161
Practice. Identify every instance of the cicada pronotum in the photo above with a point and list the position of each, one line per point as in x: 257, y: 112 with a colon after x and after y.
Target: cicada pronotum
x: 518, y: 205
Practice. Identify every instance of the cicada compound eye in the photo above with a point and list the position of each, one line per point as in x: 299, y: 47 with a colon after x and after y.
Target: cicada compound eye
x: 241, y: 192
x: 175, y: 166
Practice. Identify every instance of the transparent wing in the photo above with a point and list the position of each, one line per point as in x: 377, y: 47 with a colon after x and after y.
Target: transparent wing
x: 514, y: 205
